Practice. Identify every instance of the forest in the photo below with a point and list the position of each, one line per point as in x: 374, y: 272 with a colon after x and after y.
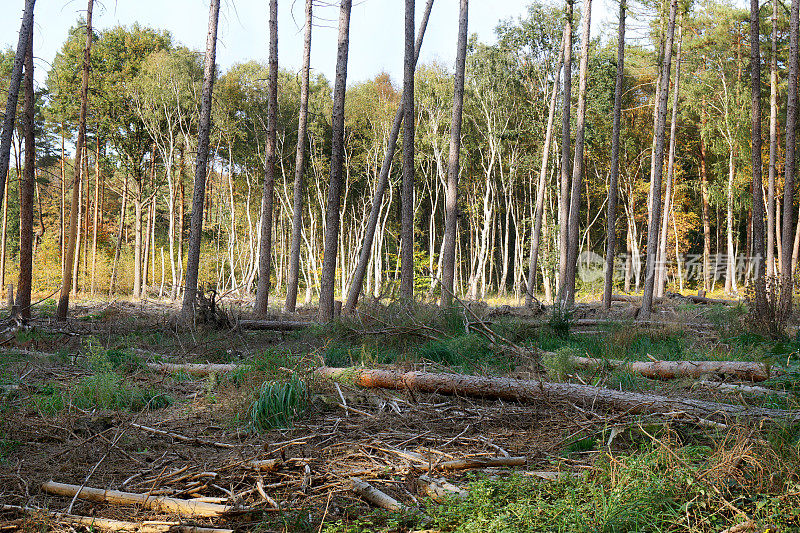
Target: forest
x: 142, y: 117
x: 547, y: 287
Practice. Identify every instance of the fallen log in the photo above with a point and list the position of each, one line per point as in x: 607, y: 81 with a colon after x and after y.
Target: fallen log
x: 155, y: 503
x: 531, y: 390
x: 746, y: 370
x: 374, y: 496
x: 199, y: 369
x: 273, y: 325
x: 264, y: 465
x: 108, y: 524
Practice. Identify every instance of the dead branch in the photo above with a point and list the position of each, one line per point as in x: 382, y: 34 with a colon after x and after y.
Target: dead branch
x: 184, y: 438
x: 374, y: 496
x: 156, y: 503
x: 108, y: 524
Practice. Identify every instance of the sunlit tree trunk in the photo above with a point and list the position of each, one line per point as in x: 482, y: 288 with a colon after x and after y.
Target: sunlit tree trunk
x: 611, y: 225
x: 453, y: 166
x: 566, y: 125
x: 326, y: 301
x: 573, y: 235
x: 757, y: 184
x: 204, y: 127
x: 26, y: 193
x: 661, y: 274
x: 773, y: 143
x: 540, y: 190
x: 66, y: 281
x: 267, y: 200
x: 655, y: 201
x: 300, y: 158
x: 25, y: 34
x: 407, y: 197
x: 380, y: 188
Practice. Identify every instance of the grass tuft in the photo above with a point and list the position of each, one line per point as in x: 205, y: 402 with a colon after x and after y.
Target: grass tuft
x: 278, y: 404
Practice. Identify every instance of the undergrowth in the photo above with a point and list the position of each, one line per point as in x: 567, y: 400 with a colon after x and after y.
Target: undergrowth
x: 278, y: 404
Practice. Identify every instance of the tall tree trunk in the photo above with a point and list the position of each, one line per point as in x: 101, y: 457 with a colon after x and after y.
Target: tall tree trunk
x: 66, y: 280
x: 299, y: 168
x: 705, y: 198
x: 758, y: 183
x: 540, y: 190
x: 120, y: 232
x: 407, y: 196
x: 96, y: 216
x: 453, y: 165
x: 655, y: 202
x: 380, y: 188
x: 573, y: 235
x: 328, y: 281
x: 25, y: 35
x: 267, y: 200
x: 730, y: 272
x: 204, y: 127
x: 611, y: 226
x: 3, y: 238
x: 564, y: 187
x: 773, y: 142
x: 661, y: 274
x: 26, y: 194
x: 789, y: 166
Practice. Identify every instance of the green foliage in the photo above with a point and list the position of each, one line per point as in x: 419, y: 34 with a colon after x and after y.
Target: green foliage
x: 278, y: 404
x: 108, y: 390
x: 559, y: 321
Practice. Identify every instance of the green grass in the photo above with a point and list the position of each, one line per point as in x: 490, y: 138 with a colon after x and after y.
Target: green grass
x: 649, y: 491
x: 278, y: 404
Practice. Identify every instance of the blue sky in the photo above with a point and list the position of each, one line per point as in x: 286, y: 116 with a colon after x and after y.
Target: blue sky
x: 376, y: 29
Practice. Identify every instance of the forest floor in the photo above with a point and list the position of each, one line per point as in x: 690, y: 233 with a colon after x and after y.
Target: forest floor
x: 80, y: 400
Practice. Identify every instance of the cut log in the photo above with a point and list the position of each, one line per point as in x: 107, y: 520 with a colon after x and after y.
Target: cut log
x: 439, y: 489
x: 199, y: 369
x: 155, y: 503
x: 531, y: 390
x: 683, y: 369
x: 108, y: 524
x: 273, y: 325
x: 374, y: 496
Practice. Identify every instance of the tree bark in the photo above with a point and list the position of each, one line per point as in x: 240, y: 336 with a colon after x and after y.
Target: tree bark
x: 563, y: 199
x: 758, y: 182
x: 662, y: 243
x: 407, y: 196
x: 530, y: 390
x: 357, y: 280
x: 25, y: 34
x: 98, y: 182
x: 120, y: 232
x: 453, y: 165
x: 326, y: 303
x: 204, y: 127
x: 299, y: 168
x: 66, y: 280
x: 705, y: 199
x: 658, y: 156
x: 26, y: 193
x: 773, y: 142
x: 267, y: 200
x: 789, y: 166
x: 611, y: 227
x: 540, y: 190
x: 573, y: 234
